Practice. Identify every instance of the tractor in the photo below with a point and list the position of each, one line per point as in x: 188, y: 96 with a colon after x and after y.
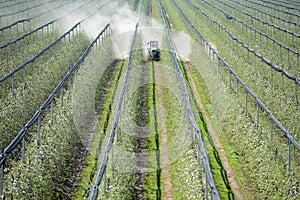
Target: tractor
x: 154, y: 52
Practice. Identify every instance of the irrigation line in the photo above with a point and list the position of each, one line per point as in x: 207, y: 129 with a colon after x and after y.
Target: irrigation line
x: 254, y: 29
x: 43, y: 26
x: 258, y: 19
x: 5, y: 1
x: 49, y: 102
x: 26, y: 9
x: 27, y: 34
x: 191, y: 117
x: 31, y: 60
x: 266, y: 13
x: 289, y: 50
x: 109, y: 147
x: 50, y: 99
x: 277, y: 4
x: 295, y: 79
x: 36, y: 16
x: 14, y: 4
x: 99, y: 8
x: 14, y: 24
x: 102, y: 169
x: 261, y: 105
x: 290, y: 2
x: 275, y: 9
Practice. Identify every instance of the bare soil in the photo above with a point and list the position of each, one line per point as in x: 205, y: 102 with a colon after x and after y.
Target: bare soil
x: 229, y: 171
x: 166, y: 177
x: 142, y: 119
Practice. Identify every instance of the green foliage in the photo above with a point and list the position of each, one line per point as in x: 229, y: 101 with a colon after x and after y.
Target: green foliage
x: 120, y: 171
x: 263, y: 81
x: 31, y: 94
x: 265, y: 170
x: 186, y: 174
x: 14, y: 55
x: 100, y: 78
x: 258, y: 157
x: 246, y: 144
x: 101, y: 132
x: 155, y: 11
x: 47, y: 166
x: 188, y: 177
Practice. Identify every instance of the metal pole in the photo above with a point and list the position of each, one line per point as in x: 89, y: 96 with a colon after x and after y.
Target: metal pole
x: 52, y: 111
x: 257, y: 116
x: 33, y: 66
x: 23, y: 149
x: 272, y: 129
x: 288, y: 53
x: 289, y: 155
x: 280, y: 52
x: 24, y: 76
x: 1, y: 178
x: 218, y: 64
x: 112, y: 159
x: 230, y: 78
x: 246, y: 103
x: 69, y: 85
x: 12, y: 85
x: 62, y: 97
x: 39, y: 131
x: 295, y: 91
x: 243, y: 52
x: 105, y: 182
x: 262, y: 67
x: 259, y: 40
x: 248, y: 57
x: 254, y: 61
x: 297, y: 61
x: 282, y: 82
x: 237, y: 88
x: 6, y: 55
x: 206, y: 188
x: 273, y: 46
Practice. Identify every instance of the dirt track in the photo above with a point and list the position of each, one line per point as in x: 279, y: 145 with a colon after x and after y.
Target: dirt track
x: 229, y: 171
x: 166, y: 177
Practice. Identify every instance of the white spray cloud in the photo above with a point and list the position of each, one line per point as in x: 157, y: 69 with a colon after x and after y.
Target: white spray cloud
x: 123, y: 22
x: 182, y: 44
x: 94, y: 25
x: 123, y: 25
x: 69, y: 21
x: 152, y: 31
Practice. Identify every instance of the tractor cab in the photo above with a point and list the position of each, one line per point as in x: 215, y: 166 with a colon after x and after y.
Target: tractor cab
x: 154, y: 52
